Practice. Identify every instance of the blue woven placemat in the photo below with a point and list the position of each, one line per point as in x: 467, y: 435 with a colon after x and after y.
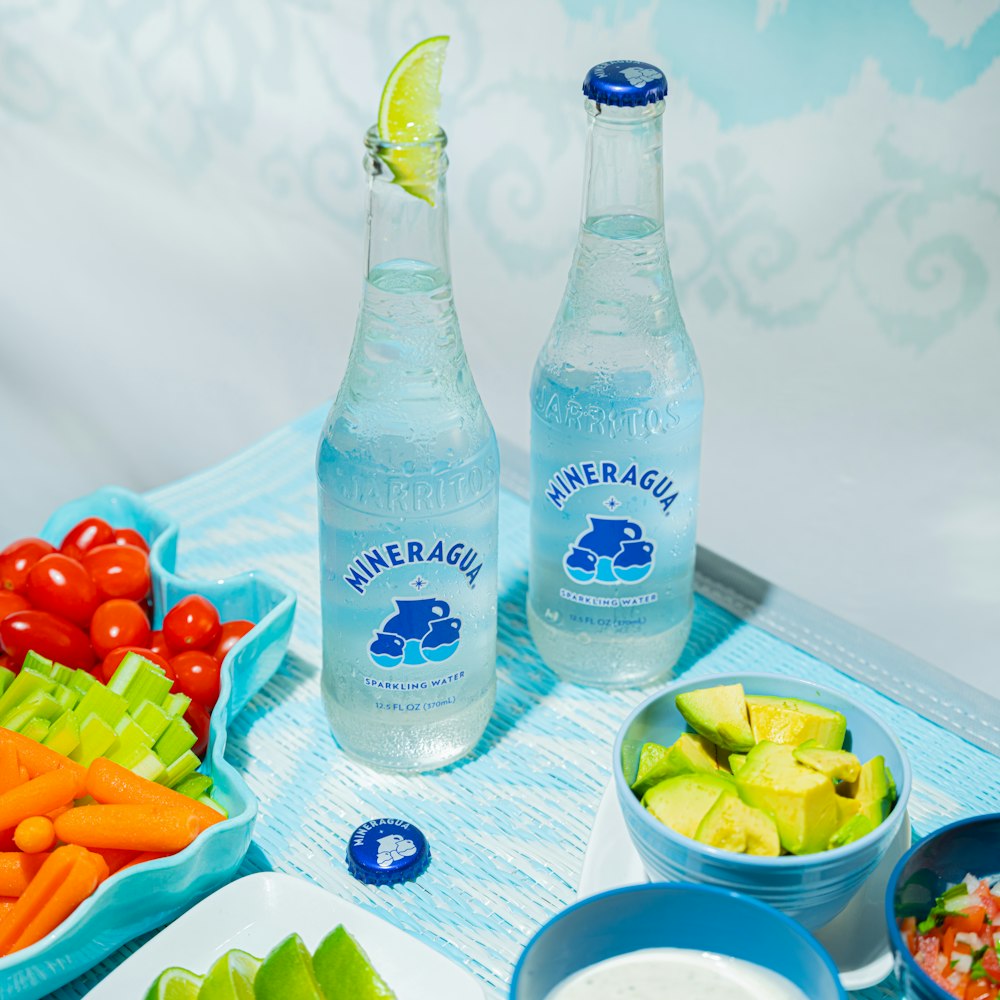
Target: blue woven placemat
x: 508, y: 826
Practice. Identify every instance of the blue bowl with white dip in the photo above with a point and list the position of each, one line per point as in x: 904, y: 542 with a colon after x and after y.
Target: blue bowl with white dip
x: 713, y: 942
x: 811, y: 888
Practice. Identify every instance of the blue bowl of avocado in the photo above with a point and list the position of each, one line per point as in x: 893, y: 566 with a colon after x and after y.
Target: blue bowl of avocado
x: 940, y: 860
x: 767, y: 785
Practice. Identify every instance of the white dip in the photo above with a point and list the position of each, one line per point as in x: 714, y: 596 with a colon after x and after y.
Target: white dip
x: 675, y: 974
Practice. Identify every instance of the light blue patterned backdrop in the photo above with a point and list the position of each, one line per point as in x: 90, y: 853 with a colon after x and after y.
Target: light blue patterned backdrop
x: 181, y: 196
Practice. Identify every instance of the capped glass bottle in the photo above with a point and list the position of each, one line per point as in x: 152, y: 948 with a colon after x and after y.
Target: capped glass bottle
x: 408, y: 475
x: 616, y: 406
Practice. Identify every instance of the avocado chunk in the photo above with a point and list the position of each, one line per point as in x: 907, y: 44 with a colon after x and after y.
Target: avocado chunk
x: 682, y: 801
x: 719, y: 714
x: 688, y: 753
x: 846, y: 808
x: 734, y: 826
x: 792, y: 721
x: 736, y: 761
x: 874, y: 790
x: 854, y: 829
x: 801, y: 801
x: 837, y: 765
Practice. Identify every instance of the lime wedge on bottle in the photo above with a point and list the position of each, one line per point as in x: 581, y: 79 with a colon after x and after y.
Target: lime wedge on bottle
x: 344, y: 971
x: 175, y: 984
x: 408, y: 112
x: 287, y: 973
x: 231, y: 978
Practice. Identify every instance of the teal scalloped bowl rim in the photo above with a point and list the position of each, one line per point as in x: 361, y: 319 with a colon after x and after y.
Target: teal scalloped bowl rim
x: 140, y: 899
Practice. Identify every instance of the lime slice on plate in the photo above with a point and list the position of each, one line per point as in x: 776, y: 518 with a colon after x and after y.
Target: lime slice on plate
x: 231, y: 978
x: 344, y: 970
x: 287, y: 973
x: 408, y: 112
x: 175, y: 984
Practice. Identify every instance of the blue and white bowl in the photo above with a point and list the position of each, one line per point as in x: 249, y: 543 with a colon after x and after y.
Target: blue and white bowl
x: 944, y: 858
x: 811, y: 888
x: 137, y: 900
x: 696, y: 917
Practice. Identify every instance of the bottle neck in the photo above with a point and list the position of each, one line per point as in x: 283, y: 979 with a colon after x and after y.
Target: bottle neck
x: 407, y: 218
x: 624, y: 172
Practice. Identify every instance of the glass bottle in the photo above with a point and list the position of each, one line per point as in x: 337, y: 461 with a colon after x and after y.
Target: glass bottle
x: 616, y: 416
x: 408, y: 474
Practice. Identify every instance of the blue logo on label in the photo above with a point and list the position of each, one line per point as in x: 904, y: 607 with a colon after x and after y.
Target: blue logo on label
x: 421, y: 630
x: 611, y: 550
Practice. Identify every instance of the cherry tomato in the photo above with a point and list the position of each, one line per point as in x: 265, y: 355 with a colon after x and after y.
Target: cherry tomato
x: 61, y: 585
x: 126, y: 536
x: 198, y: 676
x: 159, y: 645
x: 11, y: 602
x: 118, y: 623
x: 8, y: 663
x: 48, y: 635
x: 115, y: 657
x: 118, y: 571
x: 199, y: 719
x: 18, y: 558
x: 231, y: 634
x: 192, y: 623
x: 87, y: 535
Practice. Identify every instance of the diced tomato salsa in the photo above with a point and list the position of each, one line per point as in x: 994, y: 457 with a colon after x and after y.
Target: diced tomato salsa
x: 957, y: 945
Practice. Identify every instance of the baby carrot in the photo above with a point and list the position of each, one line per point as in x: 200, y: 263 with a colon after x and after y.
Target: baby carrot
x: 37, y: 759
x: 10, y: 773
x: 113, y: 784
x: 17, y: 870
x: 35, y: 834
x: 130, y: 827
x: 6, y: 904
x: 144, y: 857
x: 38, y: 796
x: 47, y: 879
x: 116, y: 858
x: 34, y: 915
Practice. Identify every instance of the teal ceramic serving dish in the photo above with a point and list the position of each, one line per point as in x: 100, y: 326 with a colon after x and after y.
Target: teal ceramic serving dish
x: 137, y: 900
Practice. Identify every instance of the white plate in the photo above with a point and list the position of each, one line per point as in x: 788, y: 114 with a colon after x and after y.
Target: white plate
x: 856, y: 938
x: 256, y: 912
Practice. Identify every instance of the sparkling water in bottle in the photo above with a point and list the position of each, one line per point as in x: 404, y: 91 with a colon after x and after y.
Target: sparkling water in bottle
x: 616, y: 416
x: 408, y: 475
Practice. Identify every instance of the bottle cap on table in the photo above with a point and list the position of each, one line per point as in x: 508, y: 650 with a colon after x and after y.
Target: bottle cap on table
x: 625, y: 83
x: 387, y: 852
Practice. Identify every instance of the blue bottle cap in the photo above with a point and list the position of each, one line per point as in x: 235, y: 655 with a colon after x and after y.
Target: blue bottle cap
x: 625, y: 83
x: 387, y: 851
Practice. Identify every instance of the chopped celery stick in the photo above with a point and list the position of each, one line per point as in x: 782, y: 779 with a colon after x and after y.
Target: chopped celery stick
x: 207, y: 800
x: 64, y: 734
x: 36, y: 729
x: 6, y: 676
x: 81, y: 682
x: 96, y: 739
x: 139, y: 760
x: 175, y: 705
x: 177, y: 738
x: 130, y: 734
x: 38, y: 704
x: 152, y: 718
x: 23, y: 685
x: 187, y: 763
x: 40, y: 664
x: 194, y: 785
x: 66, y: 696
x: 152, y: 685
x: 101, y: 701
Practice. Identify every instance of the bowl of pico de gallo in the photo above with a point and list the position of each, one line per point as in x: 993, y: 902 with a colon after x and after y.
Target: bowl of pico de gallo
x: 943, y: 912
